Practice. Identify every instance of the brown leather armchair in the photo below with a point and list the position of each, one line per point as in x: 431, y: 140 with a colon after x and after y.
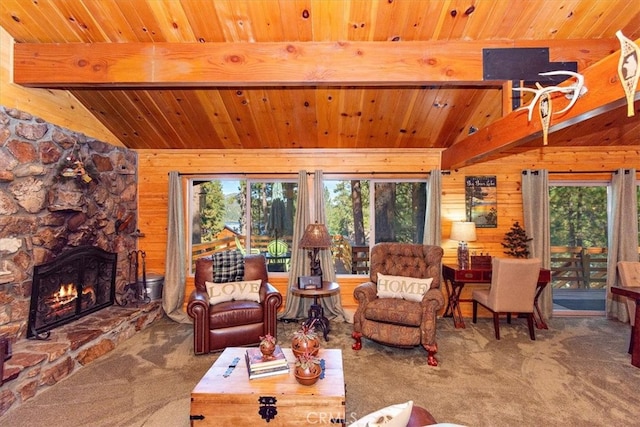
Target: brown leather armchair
x: 232, y: 323
x: 400, y: 322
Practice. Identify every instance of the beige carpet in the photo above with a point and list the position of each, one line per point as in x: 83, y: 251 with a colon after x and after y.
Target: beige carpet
x: 578, y: 373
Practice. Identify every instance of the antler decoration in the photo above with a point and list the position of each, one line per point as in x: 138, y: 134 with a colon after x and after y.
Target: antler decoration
x: 628, y: 68
x: 573, y: 92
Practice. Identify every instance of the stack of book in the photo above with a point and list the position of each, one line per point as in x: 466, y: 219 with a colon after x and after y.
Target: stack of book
x: 259, y: 366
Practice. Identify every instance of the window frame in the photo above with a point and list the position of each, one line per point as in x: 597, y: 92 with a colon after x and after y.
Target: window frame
x: 283, y: 178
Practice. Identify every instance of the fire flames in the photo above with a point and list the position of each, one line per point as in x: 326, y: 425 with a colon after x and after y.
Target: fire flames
x: 60, y: 301
x: 66, y: 293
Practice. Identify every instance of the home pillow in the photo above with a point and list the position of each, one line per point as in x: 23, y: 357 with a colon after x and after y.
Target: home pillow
x: 248, y: 290
x: 228, y: 266
x: 409, y: 288
x: 392, y: 416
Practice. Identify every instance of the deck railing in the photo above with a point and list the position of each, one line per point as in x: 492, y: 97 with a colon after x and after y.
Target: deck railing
x: 231, y: 243
x: 578, y: 267
x: 571, y: 267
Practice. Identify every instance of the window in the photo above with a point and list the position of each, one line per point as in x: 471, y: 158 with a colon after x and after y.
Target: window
x: 397, y: 214
x: 220, y: 219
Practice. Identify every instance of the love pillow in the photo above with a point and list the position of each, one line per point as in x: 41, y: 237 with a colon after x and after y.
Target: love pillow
x: 409, y: 288
x: 248, y: 290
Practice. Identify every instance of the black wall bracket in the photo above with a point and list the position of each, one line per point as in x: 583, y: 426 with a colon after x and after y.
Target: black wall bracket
x: 523, y: 65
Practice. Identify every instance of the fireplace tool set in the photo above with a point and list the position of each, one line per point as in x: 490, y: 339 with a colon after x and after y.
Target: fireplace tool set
x: 135, y: 292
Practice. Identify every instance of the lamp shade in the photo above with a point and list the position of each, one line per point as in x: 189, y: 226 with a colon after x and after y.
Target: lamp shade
x: 463, y: 231
x: 316, y: 236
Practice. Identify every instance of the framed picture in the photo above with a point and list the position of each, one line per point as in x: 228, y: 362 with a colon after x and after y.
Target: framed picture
x: 481, y: 201
x: 310, y: 282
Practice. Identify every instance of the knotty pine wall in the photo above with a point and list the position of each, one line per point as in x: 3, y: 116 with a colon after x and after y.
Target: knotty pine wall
x: 155, y: 166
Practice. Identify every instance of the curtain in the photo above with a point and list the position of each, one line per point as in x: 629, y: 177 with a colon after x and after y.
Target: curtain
x: 297, y: 307
x: 175, y: 261
x: 332, y: 304
x: 623, y: 235
x: 432, y: 231
x: 535, y: 207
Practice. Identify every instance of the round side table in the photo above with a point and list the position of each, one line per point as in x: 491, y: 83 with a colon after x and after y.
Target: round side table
x: 316, y: 312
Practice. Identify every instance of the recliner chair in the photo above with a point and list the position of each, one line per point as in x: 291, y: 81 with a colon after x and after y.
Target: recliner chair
x: 232, y: 323
x: 400, y: 322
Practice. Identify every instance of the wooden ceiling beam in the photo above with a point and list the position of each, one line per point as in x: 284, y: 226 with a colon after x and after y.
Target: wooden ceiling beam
x: 274, y: 64
x: 604, y: 93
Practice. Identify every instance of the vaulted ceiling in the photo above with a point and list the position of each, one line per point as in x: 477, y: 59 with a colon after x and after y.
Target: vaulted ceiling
x: 328, y: 73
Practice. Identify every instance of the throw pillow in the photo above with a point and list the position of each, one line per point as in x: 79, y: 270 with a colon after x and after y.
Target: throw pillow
x: 228, y: 266
x: 392, y: 416
x: 409, y: 288
x: 248, y: 290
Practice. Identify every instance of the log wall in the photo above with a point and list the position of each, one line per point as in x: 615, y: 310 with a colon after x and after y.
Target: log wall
x: 155, y: 166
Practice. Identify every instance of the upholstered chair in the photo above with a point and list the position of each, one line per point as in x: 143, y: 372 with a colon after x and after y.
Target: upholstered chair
x: 629, y: 272
x: 232, y: 323
x: 398, y: 321
x: 512, y: 290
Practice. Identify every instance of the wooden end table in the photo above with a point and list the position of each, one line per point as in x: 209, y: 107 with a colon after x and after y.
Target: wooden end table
x: 316, y: 312
x: 225, y: 396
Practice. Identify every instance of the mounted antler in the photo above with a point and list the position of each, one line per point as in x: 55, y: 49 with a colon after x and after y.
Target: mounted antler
x: 572, y: 92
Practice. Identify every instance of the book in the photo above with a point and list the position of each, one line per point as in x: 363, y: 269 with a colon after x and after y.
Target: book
x: 256, y: 361
x: 265, y: 372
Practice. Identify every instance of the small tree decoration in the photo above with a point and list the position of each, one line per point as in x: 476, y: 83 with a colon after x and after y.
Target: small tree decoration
x: 516, y: 242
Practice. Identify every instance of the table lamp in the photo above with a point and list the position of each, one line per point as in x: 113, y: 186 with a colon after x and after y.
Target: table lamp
x: 463, y: 232
x: 315, y: 237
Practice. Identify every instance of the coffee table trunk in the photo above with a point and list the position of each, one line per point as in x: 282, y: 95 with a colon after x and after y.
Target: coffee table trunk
x: 226, y: 396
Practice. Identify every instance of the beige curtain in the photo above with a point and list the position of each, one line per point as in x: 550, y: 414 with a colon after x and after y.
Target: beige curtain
x: 535, y: 206
x: 623, y: 235
x: 175, y: 261
x: 296, y: 307
x: 332, y: 304
x: 432, y: 222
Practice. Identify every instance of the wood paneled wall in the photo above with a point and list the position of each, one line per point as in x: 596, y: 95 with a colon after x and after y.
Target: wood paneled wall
x: 155, y: 166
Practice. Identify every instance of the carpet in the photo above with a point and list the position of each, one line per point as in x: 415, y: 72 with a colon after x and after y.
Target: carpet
x: 577, y: 373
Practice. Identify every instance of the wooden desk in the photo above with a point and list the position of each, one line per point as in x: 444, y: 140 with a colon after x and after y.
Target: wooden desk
x: 316, y: 312
x: 634, y: 342
x: 225, y: 396
x: 455, y: 279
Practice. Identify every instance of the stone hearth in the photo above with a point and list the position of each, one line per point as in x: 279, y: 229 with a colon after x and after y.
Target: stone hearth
x: 37, y: 365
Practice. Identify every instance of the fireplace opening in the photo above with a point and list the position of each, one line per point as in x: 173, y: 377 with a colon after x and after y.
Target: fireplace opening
x: 78, y: 282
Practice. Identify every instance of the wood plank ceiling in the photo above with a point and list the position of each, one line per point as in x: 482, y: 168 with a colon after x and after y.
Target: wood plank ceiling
x: 262, y: 109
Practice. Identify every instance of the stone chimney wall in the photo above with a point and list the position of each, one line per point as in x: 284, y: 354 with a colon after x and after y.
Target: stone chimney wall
x: 58, y: 189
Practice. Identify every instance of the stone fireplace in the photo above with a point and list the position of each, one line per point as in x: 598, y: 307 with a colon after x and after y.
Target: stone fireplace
x: 60, y: 191
x: 77, y: 283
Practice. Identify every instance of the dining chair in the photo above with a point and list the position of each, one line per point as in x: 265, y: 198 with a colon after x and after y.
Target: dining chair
x: 512, y: 290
